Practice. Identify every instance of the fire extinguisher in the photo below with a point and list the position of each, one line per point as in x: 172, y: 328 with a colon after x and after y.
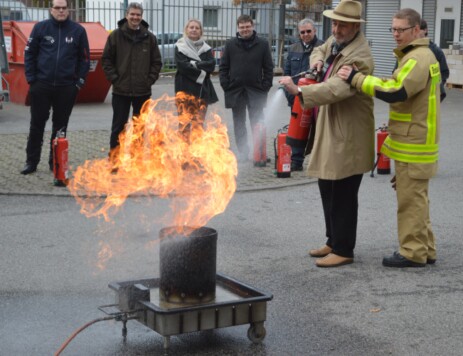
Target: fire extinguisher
x: 260, y: 146
x: 301, y: 119
x: 60, y: 159
x: 383, y: 163
x: 282, y: 154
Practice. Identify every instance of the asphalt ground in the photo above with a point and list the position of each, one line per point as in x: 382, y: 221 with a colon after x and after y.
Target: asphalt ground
x: 51, y: 283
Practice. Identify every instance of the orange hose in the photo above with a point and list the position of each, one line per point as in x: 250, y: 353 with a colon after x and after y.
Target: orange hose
x: 63, y: 346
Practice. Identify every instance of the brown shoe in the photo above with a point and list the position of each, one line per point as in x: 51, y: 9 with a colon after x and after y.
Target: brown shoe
x: 320, y: 252
x: 333, y: 260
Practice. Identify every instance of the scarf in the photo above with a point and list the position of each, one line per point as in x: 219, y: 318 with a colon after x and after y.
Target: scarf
x: 247, y: 42
x: 192, y: 49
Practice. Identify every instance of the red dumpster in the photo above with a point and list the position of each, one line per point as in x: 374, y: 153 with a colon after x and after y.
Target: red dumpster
x: 16, y: 35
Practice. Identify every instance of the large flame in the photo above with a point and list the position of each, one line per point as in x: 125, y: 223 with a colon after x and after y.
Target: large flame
x: 198, y: 171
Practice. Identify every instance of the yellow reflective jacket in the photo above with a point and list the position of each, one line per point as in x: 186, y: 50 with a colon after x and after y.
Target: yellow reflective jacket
x: 414, y: 114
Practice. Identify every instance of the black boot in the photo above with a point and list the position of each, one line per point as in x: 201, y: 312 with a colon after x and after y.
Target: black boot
x: 29, y: 168
x: 399, y: 261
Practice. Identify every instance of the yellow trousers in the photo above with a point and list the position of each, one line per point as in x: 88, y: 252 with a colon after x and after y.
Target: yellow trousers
x: 416, y: 239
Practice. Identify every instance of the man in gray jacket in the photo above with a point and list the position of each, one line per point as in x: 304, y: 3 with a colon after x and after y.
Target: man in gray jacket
x: 246, y: 73
x: 132, y: 63
x: 344, y: 140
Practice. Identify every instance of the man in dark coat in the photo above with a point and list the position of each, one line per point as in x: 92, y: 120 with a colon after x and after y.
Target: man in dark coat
x: 132, y: 63
x: 246, y: 73
x: 298, y: 62
x: 440, y: 56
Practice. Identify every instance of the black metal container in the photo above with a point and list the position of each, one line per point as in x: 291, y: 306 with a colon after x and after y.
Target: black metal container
x: 188, y: 258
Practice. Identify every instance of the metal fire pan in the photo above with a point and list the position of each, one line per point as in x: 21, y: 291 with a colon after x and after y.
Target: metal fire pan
x: 236, y: 303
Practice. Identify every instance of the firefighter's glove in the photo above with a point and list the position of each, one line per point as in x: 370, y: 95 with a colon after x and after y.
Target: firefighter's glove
x: 393, y: 182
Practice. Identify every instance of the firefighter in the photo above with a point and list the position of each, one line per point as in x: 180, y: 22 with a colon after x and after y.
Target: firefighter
x: 413, y: 142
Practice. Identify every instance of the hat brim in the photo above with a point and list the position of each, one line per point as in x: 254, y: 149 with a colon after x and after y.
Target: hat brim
x: 330, y: 14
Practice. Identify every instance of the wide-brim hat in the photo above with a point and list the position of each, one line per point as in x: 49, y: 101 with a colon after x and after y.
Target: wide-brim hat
x: 347, y: 11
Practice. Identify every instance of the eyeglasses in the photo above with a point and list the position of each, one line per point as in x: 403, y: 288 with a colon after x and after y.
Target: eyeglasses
x: 64, y: 8
x: 400, y: 30
x: 304, y: 32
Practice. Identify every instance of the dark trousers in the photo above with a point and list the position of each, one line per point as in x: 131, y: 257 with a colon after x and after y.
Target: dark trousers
x: 340, y: 207
x: 256, y: 113
x: 44, y: 97
x: 121, y: 109
x: 297, y: 155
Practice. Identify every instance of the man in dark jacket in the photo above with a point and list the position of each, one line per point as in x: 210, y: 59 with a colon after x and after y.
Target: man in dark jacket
x: 246, y: 73
x: 56, y: 64
x: 298, y: 62
x: 132, y: 63
x: 440, y: 56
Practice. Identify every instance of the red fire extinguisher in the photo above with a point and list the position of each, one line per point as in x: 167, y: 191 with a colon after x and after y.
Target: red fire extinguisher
x: 383, y: 163
x: 60, y: 159
x: 301, y: 119
x: 260, y: 146
x: 282, y: 154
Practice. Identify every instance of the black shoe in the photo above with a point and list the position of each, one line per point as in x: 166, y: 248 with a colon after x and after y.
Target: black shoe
x: 430, y: 261
x: 399, y: 261
x: 296, y: 168
x: 29, y: 168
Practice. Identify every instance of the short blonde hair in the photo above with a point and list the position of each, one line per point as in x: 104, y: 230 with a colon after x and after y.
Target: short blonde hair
x: 188, y: 24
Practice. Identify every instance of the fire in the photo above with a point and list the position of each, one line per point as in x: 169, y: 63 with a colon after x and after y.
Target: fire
x: 198, y: 171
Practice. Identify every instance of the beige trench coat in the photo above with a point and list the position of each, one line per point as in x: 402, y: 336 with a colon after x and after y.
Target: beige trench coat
x: 344, y: 138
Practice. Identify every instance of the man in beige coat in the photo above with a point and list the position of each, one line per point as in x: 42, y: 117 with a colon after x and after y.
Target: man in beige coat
x: 344, y: 139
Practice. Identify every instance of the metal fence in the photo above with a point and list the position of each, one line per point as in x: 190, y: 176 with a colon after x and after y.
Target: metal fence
x: 275, y: 21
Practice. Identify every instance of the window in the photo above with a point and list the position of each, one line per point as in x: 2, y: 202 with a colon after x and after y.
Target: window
x: 253, y: 14
x: 8, y: 14
x: 210, y: 17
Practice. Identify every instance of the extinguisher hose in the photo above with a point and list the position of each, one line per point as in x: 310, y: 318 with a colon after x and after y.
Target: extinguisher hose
x: 372, y: 174
x: 275, y: 150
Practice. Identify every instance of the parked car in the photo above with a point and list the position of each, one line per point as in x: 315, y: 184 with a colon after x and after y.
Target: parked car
x: 166, y: 42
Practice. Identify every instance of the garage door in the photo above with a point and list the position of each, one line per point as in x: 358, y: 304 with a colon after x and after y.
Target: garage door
x: 379, y: 17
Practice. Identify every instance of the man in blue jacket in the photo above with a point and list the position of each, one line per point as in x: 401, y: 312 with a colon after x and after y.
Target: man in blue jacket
x: 56, y: 65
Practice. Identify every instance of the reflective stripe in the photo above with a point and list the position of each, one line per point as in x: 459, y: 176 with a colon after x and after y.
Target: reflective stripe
x: 432, y: 103
x: 385, y: 85
x: 411, y: 147
x: 410, y: 152
x: 409, y: 158
x: 400, y: 116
